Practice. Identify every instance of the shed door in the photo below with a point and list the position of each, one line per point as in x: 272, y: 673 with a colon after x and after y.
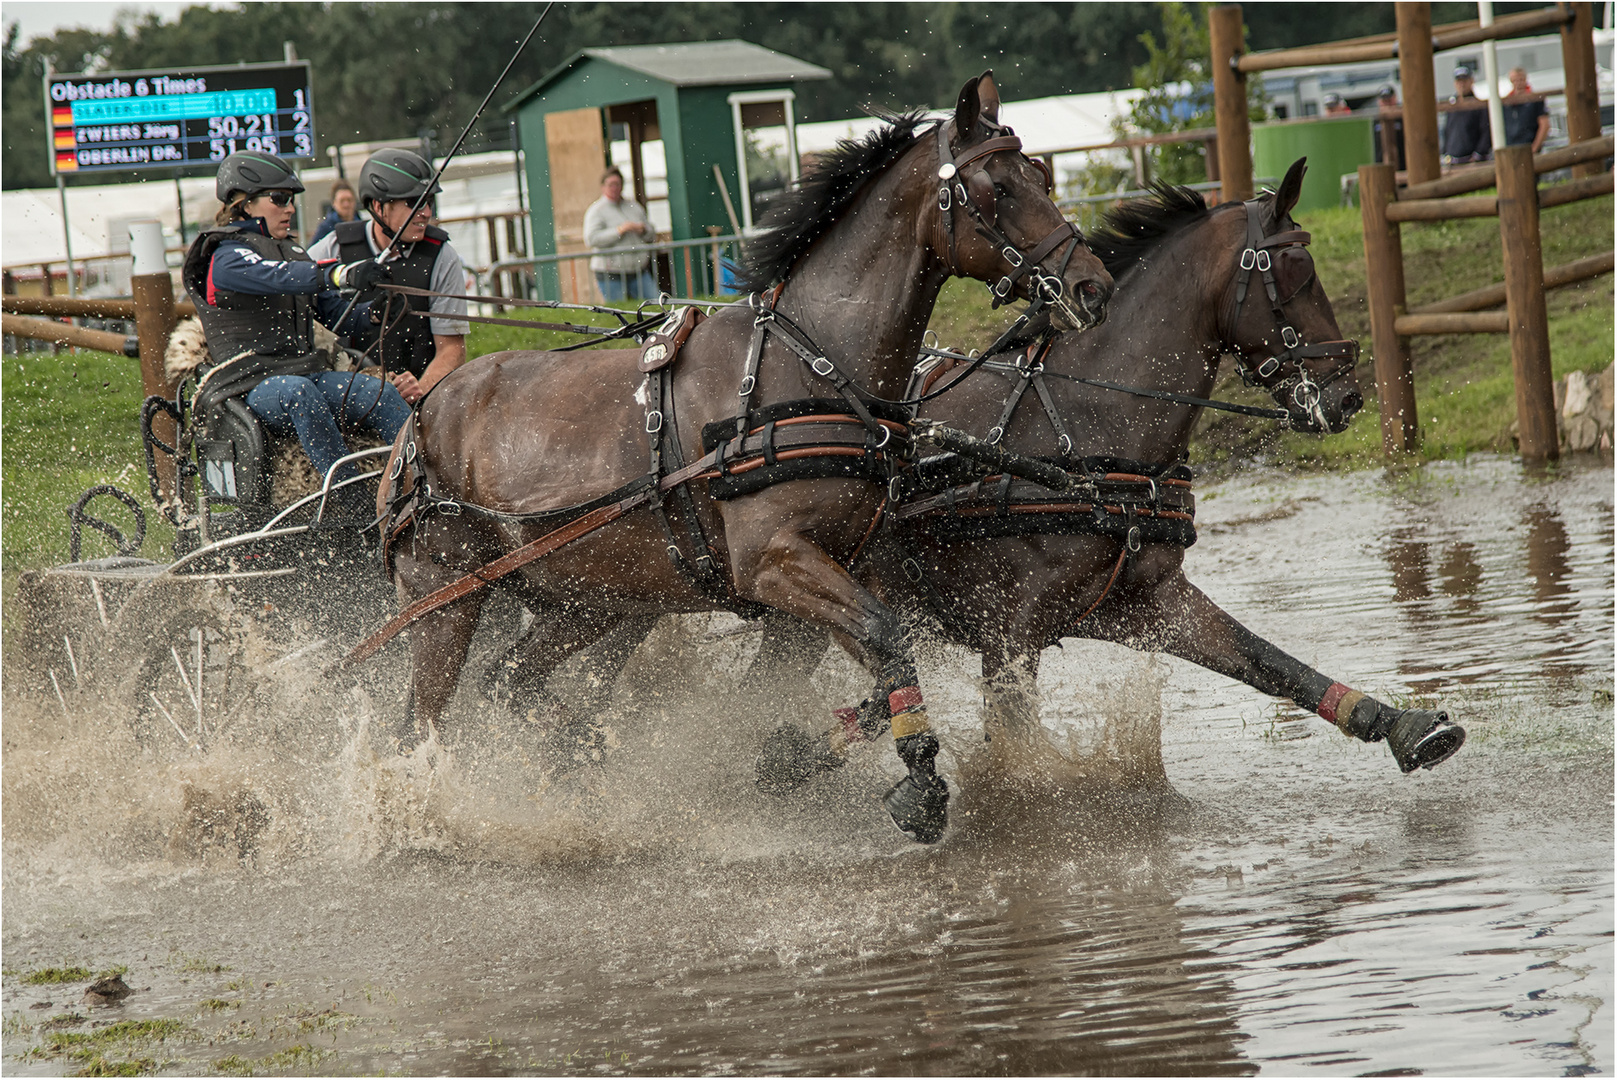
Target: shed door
x: 576, y: 143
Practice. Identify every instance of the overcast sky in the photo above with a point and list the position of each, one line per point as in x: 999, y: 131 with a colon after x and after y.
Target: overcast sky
x: 36, y: 19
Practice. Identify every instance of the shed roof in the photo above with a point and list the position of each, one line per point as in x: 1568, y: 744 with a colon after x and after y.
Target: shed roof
x: 692, y: 63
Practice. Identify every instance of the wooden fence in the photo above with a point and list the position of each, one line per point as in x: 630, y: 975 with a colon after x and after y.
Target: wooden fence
x: 1517, y: 203
x: 1431, y: 196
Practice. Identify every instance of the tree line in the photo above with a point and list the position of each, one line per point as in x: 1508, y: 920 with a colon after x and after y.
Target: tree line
x: 400, y: 70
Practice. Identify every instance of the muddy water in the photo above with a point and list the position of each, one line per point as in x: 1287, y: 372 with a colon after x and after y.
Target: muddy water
x: 1300, y: 908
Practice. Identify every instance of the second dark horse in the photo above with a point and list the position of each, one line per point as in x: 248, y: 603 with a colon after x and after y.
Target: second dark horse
x: 1009, y: 570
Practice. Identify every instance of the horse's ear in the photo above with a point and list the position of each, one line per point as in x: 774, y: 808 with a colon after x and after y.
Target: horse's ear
x: 988, y: 94
x: 978, y: 98
x: 1291, y: 189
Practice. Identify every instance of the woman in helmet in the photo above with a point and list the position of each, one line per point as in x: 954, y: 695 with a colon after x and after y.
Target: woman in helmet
x: 257, y: 293
x: 415, y: 351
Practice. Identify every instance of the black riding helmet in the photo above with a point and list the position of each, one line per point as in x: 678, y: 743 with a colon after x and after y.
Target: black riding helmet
x: 395, y: 173
x: 252, y: 172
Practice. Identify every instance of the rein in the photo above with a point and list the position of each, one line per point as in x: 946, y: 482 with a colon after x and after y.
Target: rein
x: 1161, y: 395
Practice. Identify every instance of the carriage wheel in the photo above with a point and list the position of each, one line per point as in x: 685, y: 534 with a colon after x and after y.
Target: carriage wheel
x: 193, y: 676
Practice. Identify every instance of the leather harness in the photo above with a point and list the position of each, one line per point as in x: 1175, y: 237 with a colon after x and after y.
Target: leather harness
x: 744, y: 454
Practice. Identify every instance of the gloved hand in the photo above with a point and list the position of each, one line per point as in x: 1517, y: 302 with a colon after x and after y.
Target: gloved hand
x: 360, y: 276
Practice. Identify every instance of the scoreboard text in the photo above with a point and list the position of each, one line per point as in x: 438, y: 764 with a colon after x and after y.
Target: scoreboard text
x: 156, y: 119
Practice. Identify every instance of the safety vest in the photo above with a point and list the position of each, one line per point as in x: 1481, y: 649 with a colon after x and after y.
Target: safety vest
x: 407, y: 344
x: 237, y: 323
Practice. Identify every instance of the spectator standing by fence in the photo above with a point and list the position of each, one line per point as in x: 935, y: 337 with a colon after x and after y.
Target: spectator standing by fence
x: 1389, y: 128
x: 1465, y: 135
x: 1527, y: 119
x: 344, y: 207
x: 615, y: 227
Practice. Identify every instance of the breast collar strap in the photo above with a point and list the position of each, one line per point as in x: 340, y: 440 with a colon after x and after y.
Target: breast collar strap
x: 1257, y: 255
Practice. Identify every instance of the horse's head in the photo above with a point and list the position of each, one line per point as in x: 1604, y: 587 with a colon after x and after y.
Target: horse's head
x: 1278, y: 320
x: 997, y: 222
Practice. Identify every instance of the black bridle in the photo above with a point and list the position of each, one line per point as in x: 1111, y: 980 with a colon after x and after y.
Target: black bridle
x: 1286, y: 268
x: 974, y: 193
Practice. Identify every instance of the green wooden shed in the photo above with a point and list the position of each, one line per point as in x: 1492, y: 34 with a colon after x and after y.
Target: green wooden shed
x: 724, y: 103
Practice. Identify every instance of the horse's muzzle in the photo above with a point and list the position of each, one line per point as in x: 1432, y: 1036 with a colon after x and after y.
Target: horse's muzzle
x: 1325, y: 417
x: 1088, y: 312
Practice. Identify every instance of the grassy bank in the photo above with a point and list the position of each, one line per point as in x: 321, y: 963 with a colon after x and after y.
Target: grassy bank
x: 69, y: 421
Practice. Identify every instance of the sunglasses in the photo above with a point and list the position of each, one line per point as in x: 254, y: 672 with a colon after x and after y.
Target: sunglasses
x: 280, y: 198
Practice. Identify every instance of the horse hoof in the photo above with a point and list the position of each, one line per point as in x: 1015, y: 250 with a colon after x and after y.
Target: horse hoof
x: 791, y: 757
x: 1421, y: 738
x: 920, y: 810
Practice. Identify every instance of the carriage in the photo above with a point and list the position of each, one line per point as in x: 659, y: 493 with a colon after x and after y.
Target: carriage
x: 266, y: 574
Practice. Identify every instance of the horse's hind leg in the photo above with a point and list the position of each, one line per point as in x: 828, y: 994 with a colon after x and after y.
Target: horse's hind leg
x: 796, y: 576
x: 1010, y: 692
x: 1178, y: 618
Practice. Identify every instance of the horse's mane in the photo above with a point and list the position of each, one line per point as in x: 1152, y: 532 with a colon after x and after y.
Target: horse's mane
x: 1132, y: 230
x: 804, y: 212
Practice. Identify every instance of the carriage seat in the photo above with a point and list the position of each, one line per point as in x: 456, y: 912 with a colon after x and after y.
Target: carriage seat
x: 243, y: 465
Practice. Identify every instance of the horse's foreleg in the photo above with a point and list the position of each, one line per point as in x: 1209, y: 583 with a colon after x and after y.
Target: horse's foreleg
x: 787, y: 655
x: 438, y: 645
x: 796, y: 576
x: 1178, y: 618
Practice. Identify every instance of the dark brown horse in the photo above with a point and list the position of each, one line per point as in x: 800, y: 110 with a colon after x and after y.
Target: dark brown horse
x: 516, y: 443
x: 1009, y: 570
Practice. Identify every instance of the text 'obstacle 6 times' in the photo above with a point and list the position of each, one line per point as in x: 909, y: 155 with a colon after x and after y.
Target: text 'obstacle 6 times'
x: 145, y: 119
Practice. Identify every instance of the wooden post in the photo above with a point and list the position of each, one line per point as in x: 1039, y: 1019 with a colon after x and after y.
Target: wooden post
x: 1229, y: 102
x: 494, y: 257
x: 1582, y: 91
x: 1420, y: 92
x: 1524, y: 301
x: 153, y: 291
x: 1384, y: 275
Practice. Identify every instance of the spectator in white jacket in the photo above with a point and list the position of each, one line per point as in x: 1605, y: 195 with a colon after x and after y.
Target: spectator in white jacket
x: 615, y: 228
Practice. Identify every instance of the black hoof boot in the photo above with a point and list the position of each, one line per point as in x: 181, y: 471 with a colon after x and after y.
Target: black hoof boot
x: 920, y: 808
x: 791, y: 757
x: 1421, y: 738
x: 919, y: 803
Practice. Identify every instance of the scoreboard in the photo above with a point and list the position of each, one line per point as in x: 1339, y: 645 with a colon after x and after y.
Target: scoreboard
x: 115, y: 121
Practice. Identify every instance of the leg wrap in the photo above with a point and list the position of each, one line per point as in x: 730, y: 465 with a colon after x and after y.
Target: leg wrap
x: 858, y: 724
x: 908, y: 712
x: 1338, y: 705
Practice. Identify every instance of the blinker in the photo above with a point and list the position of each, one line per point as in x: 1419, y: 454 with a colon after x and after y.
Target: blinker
x: 1294, y: 269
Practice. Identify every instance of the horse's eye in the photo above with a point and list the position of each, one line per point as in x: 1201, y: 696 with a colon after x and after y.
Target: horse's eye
x: 1001, y: 191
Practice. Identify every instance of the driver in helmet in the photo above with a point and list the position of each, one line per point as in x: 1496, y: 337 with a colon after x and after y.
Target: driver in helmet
x: 415, y: 350
x: 257, y: 293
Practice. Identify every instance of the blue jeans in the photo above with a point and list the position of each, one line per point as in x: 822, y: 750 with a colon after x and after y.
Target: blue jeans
x: 307, y: 405
x: 627, y: 284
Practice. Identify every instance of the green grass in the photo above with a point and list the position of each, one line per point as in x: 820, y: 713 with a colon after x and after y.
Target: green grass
x: 51, y: 975
x: 70, y: 421
x: 1464, y: 390
x: 110, y: 1050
